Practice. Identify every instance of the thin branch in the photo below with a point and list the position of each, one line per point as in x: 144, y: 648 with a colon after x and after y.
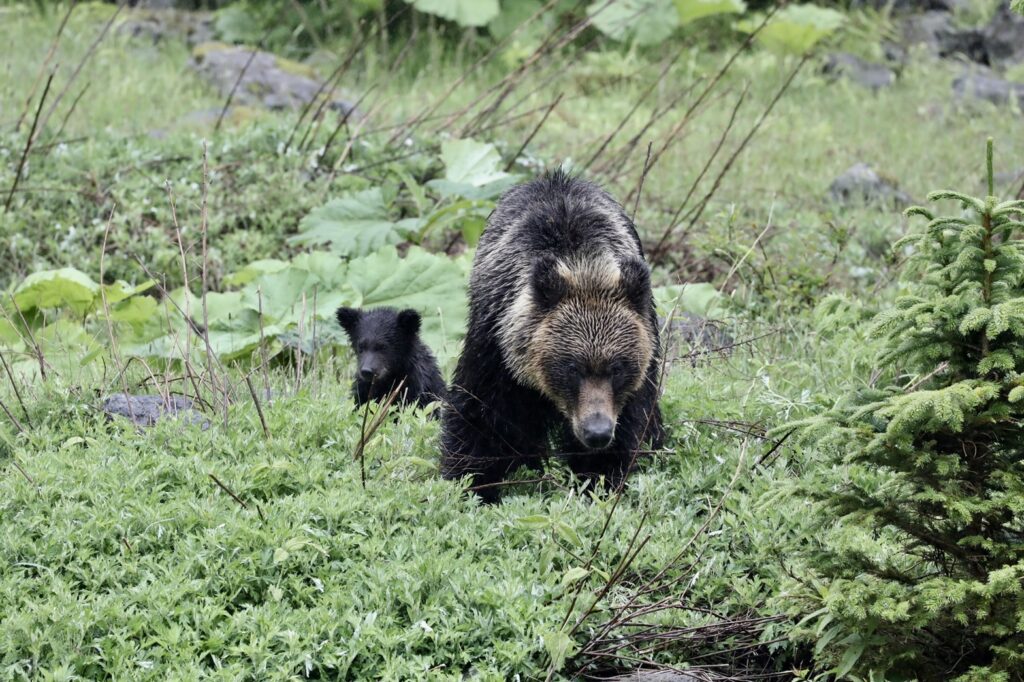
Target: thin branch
x: 28, y: 143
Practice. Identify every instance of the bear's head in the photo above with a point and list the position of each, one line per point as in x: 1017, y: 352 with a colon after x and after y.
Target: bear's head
x: 593, y: 343
x: 382, y: 338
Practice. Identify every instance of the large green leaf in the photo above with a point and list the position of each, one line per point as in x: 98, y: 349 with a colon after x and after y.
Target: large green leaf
x: 645, y: 22
x: 66, y: 346
x: 796, y: 28
x: 353, y: 225
x: 119, y: 291
x: 254, y: 270
x: 471, y: 170
x: 691, y: 10
x: 328, y: 268
x: 66, y: 287
x: 279, y: 295
x: 462, y: 12
x: 513, y: 14
x: 699, y: 298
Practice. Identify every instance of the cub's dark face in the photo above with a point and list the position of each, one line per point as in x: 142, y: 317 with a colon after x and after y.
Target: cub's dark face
x: 382, y: 340
x: 592, y: 348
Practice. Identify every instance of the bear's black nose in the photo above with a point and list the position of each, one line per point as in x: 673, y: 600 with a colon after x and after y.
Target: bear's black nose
x: 597, y: 431
x: 366, y: 374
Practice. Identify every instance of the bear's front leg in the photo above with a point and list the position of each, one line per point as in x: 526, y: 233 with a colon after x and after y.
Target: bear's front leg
x: 488, y: 433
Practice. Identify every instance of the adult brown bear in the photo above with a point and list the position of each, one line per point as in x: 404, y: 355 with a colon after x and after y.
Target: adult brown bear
x: 562, y: 345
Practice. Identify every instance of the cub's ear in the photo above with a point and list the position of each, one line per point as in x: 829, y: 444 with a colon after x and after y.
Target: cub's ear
x: 635, y: 279
x: 348, y: 318
x: 549, y: 287
x: 409, y: 322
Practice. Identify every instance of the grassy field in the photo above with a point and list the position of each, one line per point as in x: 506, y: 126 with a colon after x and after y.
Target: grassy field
x: 261, y: 547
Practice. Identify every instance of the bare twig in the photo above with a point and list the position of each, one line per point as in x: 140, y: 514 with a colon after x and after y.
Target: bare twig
x: 204, y: 227
x: 10, y: 415
x: 699, y: 208
x: 640, y: 184
x: 259, y: 408
x: 115, y: 354
x: 700, y: 176
x: 223, y: 487
x: 409, y: 126
x: 43, y: 65
x: 31, y: 337
x: 17, y: 393
x: 78, y: 68
x: 28, y: 143
x: 533, y: 133
x: 71, y: 110
x: 238, y: 81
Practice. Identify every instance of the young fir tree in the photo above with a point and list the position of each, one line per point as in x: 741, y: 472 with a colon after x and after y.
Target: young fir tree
x: 925, y: 568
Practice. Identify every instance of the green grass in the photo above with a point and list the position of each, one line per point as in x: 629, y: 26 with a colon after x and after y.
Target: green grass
x: 125, y: 560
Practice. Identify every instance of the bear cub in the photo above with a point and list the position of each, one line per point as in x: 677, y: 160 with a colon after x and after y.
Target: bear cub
x: 389, y: 350
x: 562, y: 346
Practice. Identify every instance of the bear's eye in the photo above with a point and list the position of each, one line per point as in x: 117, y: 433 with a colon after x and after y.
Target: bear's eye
x: 617, y: 368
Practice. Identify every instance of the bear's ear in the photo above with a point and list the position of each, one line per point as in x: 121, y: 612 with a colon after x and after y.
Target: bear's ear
x: 348, y: 318
x: 549, y: 287
x: 635, y: 278
x: 409, y: 322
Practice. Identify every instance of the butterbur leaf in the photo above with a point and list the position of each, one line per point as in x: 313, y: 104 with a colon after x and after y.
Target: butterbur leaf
x: 700, y: 298
x: 471, y: 162
x: 644, y: 22
x: 66, y: 287
x: 353, y: 225
x: 794, y: 29
x: 135, y: 311
x: 462, y: 12
x: 119, y: 291
x: 691, y: 10
x: 254, y: 270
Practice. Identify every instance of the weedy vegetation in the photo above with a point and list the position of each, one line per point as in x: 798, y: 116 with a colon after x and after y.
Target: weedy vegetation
x: 841, y: 493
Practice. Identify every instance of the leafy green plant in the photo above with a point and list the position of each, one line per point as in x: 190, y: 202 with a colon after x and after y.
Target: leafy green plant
x: 462, y: 12
x: 924, y: 571
x: 649, y: 22
x: 794, y: 29
x: 275, y: 301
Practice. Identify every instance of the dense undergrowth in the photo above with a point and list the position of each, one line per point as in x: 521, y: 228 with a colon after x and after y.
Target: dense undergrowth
x: 280, y: 538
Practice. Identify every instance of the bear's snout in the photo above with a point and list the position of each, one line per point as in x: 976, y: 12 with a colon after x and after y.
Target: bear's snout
x: 598, y: 430
x: 594, y: 424
x: 371, y: 367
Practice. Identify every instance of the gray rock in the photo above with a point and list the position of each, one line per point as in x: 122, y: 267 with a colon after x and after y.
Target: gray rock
x: 157, y: 25
x: 873, y: 76
x: 687, y: 332
x: 861, y: 184
x: 943, y: 38
x: 907, y: 6
x: 1011, y: 179
x: 147, y: 410
x: 1004, y: 37
x: 985, y: 85
x: 268, y: 81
